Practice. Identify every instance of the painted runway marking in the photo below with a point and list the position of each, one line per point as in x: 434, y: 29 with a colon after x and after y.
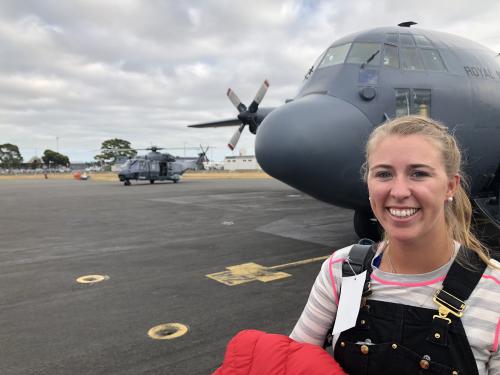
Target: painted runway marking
x: 168, y: 331
x: 248, y: 272
x: 92, y: 279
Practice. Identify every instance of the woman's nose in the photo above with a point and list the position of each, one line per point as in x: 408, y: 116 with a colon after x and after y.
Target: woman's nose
x: 400, y: 188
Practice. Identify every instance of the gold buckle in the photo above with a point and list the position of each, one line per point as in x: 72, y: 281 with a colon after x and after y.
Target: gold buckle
x: 445, y: 308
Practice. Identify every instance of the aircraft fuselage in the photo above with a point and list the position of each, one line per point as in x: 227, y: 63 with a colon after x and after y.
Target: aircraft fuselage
x: 315, y: 143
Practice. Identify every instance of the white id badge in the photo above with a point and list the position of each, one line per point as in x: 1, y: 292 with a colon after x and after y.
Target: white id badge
x: 350, y: 299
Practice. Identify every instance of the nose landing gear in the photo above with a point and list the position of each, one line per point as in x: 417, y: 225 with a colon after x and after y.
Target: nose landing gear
x: 366, y: 225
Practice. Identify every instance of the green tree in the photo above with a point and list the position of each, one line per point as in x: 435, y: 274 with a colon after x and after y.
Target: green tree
x: 53, y: 158
x: 10, y: 157
x: 113, y: 149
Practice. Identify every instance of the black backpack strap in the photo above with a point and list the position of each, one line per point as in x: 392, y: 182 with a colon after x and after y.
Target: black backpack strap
x: 450, y: 299
x: 359, y: 259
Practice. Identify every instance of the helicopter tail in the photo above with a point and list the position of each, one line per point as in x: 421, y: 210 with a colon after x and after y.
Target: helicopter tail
x: 202, y: 158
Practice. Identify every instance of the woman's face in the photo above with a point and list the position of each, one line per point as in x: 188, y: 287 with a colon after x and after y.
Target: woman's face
x: 409, y: 187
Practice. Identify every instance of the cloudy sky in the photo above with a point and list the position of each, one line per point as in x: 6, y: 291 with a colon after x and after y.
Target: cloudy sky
x: 75, y: 73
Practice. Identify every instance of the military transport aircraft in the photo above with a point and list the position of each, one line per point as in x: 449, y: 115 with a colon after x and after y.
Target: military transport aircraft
x: 315, y: 142
x: 156, y: 166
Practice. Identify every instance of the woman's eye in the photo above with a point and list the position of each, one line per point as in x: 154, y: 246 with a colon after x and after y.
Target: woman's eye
x: 419, y: 174
x: 382, y: 174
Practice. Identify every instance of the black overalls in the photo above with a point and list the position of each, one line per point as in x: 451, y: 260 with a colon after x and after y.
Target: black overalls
x: 398, y: 339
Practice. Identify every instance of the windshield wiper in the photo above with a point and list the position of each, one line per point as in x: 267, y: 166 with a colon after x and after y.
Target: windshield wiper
x: 369, y: 59
x: 308, y: 74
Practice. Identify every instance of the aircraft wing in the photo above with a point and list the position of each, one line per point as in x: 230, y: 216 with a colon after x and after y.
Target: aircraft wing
x: 217, y: 124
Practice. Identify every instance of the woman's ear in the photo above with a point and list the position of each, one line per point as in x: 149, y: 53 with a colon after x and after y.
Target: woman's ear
x: 453, y: 185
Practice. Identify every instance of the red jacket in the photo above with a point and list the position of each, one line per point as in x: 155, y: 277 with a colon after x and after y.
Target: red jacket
x: 253, y: 352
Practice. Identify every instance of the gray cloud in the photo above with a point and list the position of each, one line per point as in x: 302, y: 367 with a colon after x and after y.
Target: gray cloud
x: 86, y: 71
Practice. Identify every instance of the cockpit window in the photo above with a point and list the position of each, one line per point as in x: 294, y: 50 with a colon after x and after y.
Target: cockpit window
x: 421, y: 102
x: 422, y: 41
x: 410, y: 59
x: 335, y: 55
x: 406, y: 40
x: 412, y: 102
x: 391, y: 57
x: 392, y: 38
x: 364, y: 53
x: 402, y: 102
x: 432, y: 59
x: 128, y: 163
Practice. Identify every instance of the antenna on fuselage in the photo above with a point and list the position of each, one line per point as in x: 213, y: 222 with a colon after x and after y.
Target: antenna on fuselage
x: 407, y: 24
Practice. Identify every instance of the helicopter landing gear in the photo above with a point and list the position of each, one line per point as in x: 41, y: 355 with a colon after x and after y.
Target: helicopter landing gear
x: 366, y: 226
x: 126, y: 182
x: 151, y: 181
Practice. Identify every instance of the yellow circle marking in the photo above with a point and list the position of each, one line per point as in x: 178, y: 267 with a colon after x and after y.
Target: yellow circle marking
x: 91, y: 279
x: 168, y: 331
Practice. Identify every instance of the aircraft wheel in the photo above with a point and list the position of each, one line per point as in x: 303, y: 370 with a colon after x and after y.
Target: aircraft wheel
x: 365, y: 226
x: 126, y: 182
x: 176, y: 181
x: 151, y: 181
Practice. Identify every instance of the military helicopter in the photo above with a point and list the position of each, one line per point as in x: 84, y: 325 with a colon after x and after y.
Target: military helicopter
x: 315, y: 141
x: 156, y: 166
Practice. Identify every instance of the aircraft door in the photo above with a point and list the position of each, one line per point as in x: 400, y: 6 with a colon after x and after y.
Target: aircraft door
x: 143, y: 169
x: 163, y: 168
x: 154, y: 170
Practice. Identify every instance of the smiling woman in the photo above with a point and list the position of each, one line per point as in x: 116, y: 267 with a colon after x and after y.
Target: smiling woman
x: 430, y: 287
x: 415, y: 161
x: 409, y: 190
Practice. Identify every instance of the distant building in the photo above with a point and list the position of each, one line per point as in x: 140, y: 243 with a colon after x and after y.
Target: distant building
x: 241, y: 162
x: 78, y: 165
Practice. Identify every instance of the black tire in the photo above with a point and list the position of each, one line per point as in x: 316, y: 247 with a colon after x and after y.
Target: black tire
x: 126, y: 182
x: 365, y: 226
x: 151, y: 181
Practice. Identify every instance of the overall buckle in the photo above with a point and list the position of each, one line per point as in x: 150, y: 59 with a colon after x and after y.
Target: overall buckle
x: 448, y: 303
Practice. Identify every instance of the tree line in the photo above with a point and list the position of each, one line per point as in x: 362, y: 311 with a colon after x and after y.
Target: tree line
x: 111, y: 151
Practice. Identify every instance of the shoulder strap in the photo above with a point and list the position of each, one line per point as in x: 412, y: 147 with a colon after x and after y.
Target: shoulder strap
x: 359, y: 259
x: 450, y: 299
x: 459, y: 284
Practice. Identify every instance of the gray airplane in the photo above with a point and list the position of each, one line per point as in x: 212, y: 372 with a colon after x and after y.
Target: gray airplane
x: 315, y: 142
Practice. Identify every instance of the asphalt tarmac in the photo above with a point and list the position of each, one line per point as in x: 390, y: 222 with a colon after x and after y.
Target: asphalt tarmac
x: 153, y: 247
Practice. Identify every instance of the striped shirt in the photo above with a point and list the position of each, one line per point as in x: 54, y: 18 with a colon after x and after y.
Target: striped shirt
x: 481, y: 319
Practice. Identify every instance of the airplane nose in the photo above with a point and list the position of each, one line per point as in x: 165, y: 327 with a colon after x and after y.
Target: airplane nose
x: 316, y: 144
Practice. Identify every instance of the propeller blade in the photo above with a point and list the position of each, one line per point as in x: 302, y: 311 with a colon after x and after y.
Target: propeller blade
x: 236, y: 101
x: 235, y: 138
x: 217, y: 124
x: 259, y: 96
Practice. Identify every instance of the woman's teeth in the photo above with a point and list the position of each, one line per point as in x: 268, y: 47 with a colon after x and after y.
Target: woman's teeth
x: 403, y: 213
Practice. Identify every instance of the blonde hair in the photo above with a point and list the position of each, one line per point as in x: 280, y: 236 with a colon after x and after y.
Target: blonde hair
x: 458, y: 213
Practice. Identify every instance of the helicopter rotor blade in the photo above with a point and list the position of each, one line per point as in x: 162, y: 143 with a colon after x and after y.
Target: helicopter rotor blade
x: 235, y: 138
x: 259, y: 96
x: 236, y: 101
x: 204, y: 151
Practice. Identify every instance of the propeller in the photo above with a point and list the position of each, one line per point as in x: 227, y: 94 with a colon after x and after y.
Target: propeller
x: 246, y: 115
